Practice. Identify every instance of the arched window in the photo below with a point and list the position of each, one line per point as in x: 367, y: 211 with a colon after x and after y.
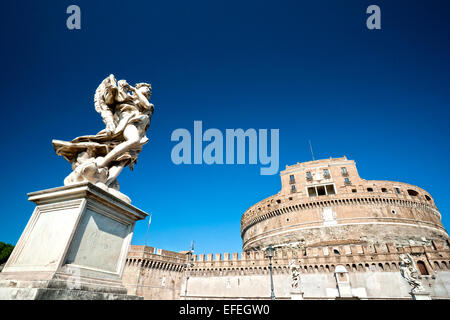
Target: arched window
x: 413, y: 193
x: 422, y: 268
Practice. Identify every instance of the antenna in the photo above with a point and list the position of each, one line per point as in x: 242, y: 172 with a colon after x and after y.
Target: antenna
x: 312, y: 153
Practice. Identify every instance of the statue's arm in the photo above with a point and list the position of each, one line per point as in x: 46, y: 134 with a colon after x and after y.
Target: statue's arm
x: 142, y: 100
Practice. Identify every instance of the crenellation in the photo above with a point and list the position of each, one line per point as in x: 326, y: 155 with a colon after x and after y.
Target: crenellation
x: 381, y: 257
x: 243, y: 255
x: 380, y: 248
x: 346, y: 249
x: 391, y: 248
x: 309, y: 252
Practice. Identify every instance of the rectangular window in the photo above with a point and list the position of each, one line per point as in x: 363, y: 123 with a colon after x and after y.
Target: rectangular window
x: 344, y: 171
x: 312, y: 192
x: 330, y: 189
x: 293, y: 188
x: 327, y: 189
x: 291, y: 178
x: 308, y: 175
x: 321, y: 191
x: 397, y: 190
x: 326, y: 172
x: 347, y: 181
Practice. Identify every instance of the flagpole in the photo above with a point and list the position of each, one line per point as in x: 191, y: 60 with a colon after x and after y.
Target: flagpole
x: 143, y: 255
x: 148, y: 227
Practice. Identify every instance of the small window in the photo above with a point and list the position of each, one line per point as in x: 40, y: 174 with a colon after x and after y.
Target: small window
x: 344, y: 171
x: 278, y: 201
x: 336, y: 251
x: 413, y: 193
x: 394, y: 212
x: 293, y: 188
x: 397, y: 190
x: 326, y: 173
x: 291, y: 178
x: 422, y: 268
x: 312, y: 192
x: 290, y: 198
x: 369, y: 189
x: 347, y: 181
x: 308, y: 175
x: 427, y: 197
x: 354, y: 190
x: 383, y: 190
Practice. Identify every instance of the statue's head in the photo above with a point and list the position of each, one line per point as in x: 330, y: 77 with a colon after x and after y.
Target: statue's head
x: 123, y: 84
x: 145, y: 89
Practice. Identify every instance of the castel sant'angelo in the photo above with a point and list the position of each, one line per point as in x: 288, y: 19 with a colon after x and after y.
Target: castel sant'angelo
x: 334, y: 235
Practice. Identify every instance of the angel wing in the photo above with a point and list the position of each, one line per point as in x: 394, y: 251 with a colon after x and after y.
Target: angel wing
x: 104, y: 99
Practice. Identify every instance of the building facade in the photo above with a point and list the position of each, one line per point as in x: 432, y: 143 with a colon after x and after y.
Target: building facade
x: 345, y: 237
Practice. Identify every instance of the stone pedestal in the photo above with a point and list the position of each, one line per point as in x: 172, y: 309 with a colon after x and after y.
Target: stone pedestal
x: 73, y: 247
x: 296, y: 295
x: 421, y: 296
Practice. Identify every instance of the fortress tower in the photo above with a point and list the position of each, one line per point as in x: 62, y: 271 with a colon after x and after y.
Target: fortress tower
x: 325, y: 202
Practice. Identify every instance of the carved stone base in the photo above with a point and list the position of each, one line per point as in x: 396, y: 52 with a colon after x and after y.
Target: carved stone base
x: 73, y: 247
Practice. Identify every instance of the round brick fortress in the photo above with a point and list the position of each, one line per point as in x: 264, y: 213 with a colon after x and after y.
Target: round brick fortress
x: 325, y: 202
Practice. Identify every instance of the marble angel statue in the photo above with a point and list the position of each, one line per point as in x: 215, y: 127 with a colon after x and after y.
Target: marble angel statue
x: 410, y: 273
x: 99, y: 159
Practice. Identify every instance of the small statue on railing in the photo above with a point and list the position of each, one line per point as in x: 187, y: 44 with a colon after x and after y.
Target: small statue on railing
x: 295, y: 274
x: 99, y: 159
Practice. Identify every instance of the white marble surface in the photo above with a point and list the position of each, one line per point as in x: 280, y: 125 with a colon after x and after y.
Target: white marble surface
x: 77, y: 238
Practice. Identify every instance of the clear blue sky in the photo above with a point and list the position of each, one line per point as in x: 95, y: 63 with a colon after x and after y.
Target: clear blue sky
x: 310, y: 68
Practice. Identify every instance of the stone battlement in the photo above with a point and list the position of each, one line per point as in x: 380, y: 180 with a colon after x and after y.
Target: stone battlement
x: 314, y: 162
x: 151, y: 257
x: 381, y: 257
